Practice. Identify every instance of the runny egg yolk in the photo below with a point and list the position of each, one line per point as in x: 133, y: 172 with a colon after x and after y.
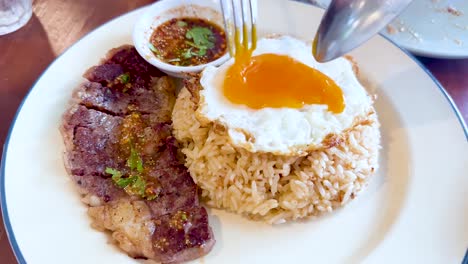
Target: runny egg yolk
x: 272, y: 80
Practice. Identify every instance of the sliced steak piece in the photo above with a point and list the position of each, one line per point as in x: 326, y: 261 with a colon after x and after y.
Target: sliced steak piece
x: 187, y: 239
x: 104, y: 74
x: 97, y: 190
x: 95, y: 146
x: 131, y: 224
x: 92, y: 140
x: 171, y: 238
x: 120, y: 61
x: 126, y: 107
x: 157, y: 99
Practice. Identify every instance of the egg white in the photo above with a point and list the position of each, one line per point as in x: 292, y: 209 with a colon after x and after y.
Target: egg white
x: 283, y: 131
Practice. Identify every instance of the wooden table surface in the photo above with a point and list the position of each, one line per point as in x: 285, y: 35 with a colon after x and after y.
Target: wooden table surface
x: 57, y: 24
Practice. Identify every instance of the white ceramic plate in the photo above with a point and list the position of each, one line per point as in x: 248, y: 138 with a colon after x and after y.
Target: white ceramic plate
x: 414, y: 211
x: 431, y: 28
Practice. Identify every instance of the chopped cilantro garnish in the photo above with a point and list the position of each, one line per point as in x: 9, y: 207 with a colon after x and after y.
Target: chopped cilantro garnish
x: 153, y: 48
x: 124, y: 182
x: 202, y: 39
x: 201, y: 52
x: 124, y: 78
x: 116, y: 174
x: 201, y: 36
x: 134, y: 161
x: 184, y: 216
x: 190, y: 43
x: 174, y: 60
x: 181, y: 23
x: 139, y: 185
x: 133, y: 184
x: 117, y: 177
x: 188, y: 54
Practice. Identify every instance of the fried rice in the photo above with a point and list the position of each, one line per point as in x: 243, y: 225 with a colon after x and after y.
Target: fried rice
x: 274, y: 188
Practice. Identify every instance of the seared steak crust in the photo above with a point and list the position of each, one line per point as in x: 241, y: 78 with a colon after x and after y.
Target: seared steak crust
x: 170, y: 228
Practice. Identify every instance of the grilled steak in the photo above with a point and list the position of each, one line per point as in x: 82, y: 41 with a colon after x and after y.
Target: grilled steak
x: 122, y: 156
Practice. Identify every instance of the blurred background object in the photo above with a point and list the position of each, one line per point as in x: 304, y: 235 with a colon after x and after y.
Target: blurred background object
x: 430, y: 28
x: 14, y: 14
x: 319, y: 3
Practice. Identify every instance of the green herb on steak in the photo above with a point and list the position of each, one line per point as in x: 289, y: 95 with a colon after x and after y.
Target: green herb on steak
x: 134, y: 183
x: 124, y: 78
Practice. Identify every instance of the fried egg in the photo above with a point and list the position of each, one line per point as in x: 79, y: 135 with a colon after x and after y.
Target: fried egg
x: 282, y: 100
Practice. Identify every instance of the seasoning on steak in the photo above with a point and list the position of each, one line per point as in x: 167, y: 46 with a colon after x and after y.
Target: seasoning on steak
x: 122, y: 156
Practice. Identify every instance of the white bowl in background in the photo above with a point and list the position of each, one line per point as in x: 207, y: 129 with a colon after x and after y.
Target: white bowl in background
x: 165, y: 10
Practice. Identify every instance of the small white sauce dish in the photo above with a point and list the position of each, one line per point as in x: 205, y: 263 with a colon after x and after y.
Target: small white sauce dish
x: 164, y: 10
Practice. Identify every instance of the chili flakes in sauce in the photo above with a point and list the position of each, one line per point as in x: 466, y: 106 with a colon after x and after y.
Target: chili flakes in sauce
x: 188, y: 41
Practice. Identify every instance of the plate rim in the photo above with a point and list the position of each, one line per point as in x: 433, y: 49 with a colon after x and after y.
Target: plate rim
x: 435, y: 55
x: 3, y: 205
x: 424, y: 52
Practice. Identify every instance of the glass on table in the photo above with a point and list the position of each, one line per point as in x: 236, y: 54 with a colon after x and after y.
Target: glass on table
x: 14, y: 14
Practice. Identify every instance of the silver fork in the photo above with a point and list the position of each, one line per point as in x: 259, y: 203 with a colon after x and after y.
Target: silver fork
x: 239, y: 23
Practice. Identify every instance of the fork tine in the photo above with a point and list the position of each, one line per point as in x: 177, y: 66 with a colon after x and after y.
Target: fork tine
x: 245, y: 17
x: 237, y: 26
x: 227, y: 10
x: 248, y: 27
x: 239, y: 22
x: 253, y: 30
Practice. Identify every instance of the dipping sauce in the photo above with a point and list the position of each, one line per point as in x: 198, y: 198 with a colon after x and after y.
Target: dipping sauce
x: 188, y: 41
